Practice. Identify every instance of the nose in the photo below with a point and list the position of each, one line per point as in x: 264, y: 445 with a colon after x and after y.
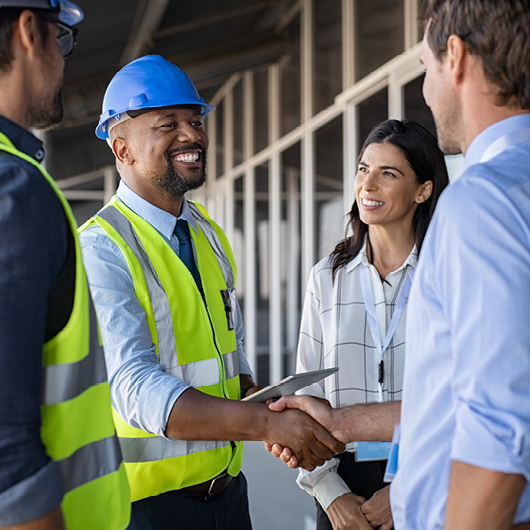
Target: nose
x: 188, y: 134
x: 370, y: 182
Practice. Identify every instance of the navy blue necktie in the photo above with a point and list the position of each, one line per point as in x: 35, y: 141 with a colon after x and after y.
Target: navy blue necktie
x: 182, y: 231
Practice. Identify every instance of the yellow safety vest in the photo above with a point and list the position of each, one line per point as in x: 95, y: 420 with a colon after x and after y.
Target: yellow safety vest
x: 77, y: 428
x: 194, y: 344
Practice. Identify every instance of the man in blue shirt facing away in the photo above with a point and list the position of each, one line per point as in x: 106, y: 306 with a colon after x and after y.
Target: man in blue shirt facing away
x: 464, y: 454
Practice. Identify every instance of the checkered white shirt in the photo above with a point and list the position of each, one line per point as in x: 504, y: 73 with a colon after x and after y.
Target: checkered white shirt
x: 334, y: 332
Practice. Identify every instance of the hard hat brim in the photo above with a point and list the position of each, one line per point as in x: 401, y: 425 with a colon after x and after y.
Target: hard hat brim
x: 102, y: 132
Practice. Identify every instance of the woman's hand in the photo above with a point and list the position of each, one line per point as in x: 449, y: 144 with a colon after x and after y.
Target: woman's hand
x: 377, y: 510
x: 345, y: 513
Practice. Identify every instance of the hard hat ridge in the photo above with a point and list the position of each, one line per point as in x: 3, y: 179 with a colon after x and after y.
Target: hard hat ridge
x: 149, y: 82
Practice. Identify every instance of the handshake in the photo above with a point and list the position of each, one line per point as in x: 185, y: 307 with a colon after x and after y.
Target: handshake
x: 315, y: 432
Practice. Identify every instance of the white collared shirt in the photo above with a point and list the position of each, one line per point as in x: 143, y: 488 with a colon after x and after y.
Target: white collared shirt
x: 334, y: 332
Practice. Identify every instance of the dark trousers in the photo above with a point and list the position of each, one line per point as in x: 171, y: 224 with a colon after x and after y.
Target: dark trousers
x: 194, y: 511
x: 363, y: 478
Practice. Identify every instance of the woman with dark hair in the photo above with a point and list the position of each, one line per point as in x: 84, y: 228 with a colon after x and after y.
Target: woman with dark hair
x: 354, y: 311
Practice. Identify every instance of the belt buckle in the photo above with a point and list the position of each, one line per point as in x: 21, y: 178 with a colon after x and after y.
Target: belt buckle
x: 214, y: 480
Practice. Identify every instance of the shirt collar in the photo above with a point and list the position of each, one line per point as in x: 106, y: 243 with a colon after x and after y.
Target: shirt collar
x: 362, y: 258
x: 163, y: 221
x: 492, y: 133
x: 22, y: 139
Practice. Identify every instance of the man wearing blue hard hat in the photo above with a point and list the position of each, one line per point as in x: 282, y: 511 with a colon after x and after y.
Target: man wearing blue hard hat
x: 163, y: 276
x: 60, y: 461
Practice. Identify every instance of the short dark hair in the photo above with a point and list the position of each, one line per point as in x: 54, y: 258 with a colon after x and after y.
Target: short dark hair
x: 421, y: 150
x: 496, y: 32
x: 8, y: 15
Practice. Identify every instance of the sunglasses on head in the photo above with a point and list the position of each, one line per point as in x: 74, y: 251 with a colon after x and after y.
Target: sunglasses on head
x: 66, y: 37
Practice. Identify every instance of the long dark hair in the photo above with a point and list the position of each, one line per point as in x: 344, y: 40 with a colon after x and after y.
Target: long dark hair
x: 427, y: 161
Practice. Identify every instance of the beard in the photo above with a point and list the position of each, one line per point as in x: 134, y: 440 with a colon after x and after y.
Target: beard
x: 448, y: 124
x: 175, y: 184
x: 45, y: 113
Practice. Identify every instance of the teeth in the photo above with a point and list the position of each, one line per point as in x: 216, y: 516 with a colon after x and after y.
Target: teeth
x: 372, y: 203
x: 187, y: 157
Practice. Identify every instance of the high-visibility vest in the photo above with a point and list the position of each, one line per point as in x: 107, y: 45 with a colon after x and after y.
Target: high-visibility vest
x: 193, y: 342
x: 77, y: 427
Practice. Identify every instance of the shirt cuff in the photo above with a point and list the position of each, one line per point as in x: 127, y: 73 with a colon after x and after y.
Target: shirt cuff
x: 31, y: 498
x: 491, y: 439
x: 330, y: 487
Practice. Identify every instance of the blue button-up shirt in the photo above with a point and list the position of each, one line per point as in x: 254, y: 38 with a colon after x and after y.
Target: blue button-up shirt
x: 142, y: 393
x: 466, y: 391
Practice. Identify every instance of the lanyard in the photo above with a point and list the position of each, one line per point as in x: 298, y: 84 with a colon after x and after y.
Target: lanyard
x: 372, y: 317
x: 504, y: 142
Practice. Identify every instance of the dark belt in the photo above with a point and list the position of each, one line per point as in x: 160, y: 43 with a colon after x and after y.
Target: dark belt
x: 211, y: 487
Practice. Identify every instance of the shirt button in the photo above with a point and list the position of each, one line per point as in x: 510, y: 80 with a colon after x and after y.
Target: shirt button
x: 39, y: 155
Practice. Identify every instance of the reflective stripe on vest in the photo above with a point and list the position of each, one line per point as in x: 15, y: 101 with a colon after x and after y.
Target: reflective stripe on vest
x: 81, y: 467
x: 66, y: 381
x: 158, y: 448
x: 217, y: 247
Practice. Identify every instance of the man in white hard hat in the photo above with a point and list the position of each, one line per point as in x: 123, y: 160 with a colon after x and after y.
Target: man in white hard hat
x: 60, y: 461
x: 163, y: 279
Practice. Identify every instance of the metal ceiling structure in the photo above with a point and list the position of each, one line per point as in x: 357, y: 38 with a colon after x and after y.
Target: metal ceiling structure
x: 208, y: 39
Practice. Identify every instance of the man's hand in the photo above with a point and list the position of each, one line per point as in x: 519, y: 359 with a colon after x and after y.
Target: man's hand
x: 311, y: 443
x: 377, y: 510
x: 345, y: 513
x: 317, y: 408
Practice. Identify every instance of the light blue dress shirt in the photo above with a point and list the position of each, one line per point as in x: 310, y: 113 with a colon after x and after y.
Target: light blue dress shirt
x: 466, y: 393
x: 142, y: 393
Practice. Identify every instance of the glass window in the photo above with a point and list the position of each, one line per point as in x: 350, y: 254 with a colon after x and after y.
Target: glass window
x: 238, y: 243
x: 290, y: 98
x: 329, y: 186
x: 371, y: 112
x: 262, y: 270
x: 379, y: 33
x: 291, y: 264
x: 238, y: 123
x: 220, y: 144
x: 415, y: 107
x: 327, y: 18
x: 261, y: 110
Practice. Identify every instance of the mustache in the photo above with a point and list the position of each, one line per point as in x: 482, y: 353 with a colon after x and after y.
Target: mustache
x: 190, y: 147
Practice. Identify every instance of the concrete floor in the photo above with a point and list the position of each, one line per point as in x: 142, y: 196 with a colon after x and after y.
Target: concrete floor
x: 276, y: 501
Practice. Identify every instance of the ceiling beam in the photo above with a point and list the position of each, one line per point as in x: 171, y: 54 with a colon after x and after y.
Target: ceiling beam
x: 146, y: 22
x: 218, y: 17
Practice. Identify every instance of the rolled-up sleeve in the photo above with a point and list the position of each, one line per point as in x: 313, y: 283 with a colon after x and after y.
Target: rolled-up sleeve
x: 484, y: 286
x: 142, y: 393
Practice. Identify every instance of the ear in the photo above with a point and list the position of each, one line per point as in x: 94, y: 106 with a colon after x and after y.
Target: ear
x: 26, y: 35
x: 457, y: 54
x: 121, y: 151
x: 424, y: 192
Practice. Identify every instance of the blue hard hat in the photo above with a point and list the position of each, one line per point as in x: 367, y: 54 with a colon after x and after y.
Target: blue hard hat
x: 69, y: 13
x: 149, y: 82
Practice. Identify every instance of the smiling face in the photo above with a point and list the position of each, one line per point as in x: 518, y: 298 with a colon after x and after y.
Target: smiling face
x: 164, y: 151
x: 386, y: 188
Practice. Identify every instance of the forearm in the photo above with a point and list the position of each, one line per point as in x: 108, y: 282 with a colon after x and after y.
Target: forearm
x: 371, y: 422
x: 51, y: 521
x: 198, y: 416
x: 481, y: 499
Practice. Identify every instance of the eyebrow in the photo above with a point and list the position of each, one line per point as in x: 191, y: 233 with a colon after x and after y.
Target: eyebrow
x: 174, y: 114
x: 394, y: 168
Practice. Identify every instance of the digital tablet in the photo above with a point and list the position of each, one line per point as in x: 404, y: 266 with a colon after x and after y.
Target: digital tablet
x: 289, y: 385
